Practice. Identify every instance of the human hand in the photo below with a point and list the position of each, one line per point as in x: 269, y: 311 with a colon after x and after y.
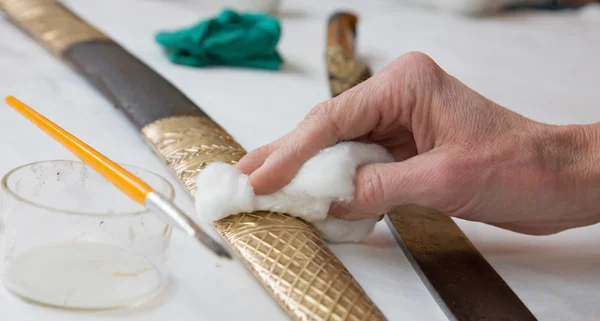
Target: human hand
x: 454, y: 150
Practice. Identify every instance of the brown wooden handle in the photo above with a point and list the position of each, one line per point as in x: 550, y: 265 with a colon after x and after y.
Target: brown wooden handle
x: 341, y: 30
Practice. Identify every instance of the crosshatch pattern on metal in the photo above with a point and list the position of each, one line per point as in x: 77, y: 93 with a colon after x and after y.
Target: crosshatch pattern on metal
x: 286, y: 254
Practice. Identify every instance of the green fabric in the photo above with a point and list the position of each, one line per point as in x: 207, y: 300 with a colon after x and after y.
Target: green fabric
x: 230, y: 39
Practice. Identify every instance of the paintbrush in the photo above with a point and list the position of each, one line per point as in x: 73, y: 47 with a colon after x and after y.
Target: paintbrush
x: 125, y: 181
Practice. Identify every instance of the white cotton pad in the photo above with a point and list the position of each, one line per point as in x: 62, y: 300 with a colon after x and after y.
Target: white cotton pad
x: 323, y: 179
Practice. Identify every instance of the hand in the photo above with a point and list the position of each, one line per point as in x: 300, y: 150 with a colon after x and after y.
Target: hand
x: 455, y: 151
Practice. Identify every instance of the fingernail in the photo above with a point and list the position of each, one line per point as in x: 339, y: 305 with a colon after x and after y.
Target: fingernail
x: 238, y: 165
x: 338, y: 210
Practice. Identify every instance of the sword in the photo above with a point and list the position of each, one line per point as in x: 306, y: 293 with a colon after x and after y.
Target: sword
x: 463, y: 283
x: 286, y: 254
x: 344, y: 70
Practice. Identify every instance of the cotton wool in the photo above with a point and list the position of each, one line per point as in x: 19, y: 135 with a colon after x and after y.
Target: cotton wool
x: 325, y: 178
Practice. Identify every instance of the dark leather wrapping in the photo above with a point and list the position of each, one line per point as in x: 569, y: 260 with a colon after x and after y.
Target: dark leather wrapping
x: 128, y: 83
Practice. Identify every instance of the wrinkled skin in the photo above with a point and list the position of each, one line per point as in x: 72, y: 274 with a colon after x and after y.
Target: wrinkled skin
x: 455, y: 151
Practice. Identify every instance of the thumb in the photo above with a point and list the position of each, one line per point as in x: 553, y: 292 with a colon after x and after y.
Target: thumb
x: 380, y: 187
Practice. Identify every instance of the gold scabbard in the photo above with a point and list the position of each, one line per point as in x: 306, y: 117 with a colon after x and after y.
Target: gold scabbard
x: 286, y: 254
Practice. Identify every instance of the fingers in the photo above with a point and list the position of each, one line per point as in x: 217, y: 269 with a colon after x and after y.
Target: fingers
x: 381, y: 187
x: 289, y: 153
x: 384, y: 101
x: 250, y: 162
x: 348, y: 116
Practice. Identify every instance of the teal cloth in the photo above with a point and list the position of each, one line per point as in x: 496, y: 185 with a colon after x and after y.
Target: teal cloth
x: 230, y: 39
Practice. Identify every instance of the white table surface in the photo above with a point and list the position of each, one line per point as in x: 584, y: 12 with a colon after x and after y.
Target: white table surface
x: 544, y: 65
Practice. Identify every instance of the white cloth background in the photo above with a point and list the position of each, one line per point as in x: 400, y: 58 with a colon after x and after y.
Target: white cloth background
x: 544, y: 65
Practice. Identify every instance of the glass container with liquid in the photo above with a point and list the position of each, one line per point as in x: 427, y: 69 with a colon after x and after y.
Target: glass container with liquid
x: 70, y: 239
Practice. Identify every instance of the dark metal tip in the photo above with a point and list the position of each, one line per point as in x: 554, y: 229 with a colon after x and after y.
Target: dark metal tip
x: 223, y: 253
x: 213, y: 245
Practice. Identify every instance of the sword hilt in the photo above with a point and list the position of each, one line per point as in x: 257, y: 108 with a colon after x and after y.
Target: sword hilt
x: 341, y: 31
x: 343, y: 68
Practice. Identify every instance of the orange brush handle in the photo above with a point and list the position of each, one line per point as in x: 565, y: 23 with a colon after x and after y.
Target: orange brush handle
x: 121, y: 178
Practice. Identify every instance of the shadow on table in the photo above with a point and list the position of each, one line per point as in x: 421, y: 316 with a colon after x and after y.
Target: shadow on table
x: 291, y: 14
x: 290, y: 67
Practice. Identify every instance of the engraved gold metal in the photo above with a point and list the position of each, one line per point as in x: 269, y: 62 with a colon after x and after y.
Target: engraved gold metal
x: 344, y: 70
x: 186, y: 144
x: 286, y: 254
x: 294, y: 264
x: 50, y: 23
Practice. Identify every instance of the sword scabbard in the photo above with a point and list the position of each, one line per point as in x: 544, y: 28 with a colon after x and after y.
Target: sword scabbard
x: 286, y: 254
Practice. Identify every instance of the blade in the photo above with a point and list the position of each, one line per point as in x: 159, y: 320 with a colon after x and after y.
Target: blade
x: 213, y: 245
x: 462, y: 282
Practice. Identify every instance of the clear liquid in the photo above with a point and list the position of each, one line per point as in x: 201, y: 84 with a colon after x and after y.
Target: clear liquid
x: 83, y: 275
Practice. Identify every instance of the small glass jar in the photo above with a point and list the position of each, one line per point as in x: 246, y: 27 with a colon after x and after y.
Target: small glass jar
x: 70, y: 239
